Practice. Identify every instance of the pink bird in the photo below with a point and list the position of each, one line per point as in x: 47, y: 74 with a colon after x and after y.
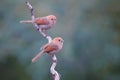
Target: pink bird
x: 51, y: 48
x: 45, y: 23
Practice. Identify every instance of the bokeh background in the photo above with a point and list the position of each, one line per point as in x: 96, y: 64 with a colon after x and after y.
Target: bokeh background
x: 90, y: 29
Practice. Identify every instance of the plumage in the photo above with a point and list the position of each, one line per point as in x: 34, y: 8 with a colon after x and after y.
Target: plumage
x: 50, y: 48
x: 45, y: 23
x: 41, y: 21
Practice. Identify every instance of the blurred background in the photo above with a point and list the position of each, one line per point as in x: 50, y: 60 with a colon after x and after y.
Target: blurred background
x: 90, y: 29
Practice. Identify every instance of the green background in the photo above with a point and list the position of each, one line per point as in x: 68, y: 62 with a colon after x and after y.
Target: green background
x: 91, y: 33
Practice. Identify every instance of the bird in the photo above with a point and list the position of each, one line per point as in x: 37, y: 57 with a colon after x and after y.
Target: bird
x: 50, y: 48
x: 44, y: 23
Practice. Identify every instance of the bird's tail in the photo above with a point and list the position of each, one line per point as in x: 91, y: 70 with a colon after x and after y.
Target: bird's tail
x: 26, y: 21
x: 37, y: 56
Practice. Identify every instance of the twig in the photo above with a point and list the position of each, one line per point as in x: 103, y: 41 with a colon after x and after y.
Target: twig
x: 54, y: 73
x: 33, y: 19
x: 32, y: 14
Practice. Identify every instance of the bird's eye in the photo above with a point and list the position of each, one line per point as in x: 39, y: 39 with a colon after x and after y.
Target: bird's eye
x: 51, y: 18
x: 59, y: 40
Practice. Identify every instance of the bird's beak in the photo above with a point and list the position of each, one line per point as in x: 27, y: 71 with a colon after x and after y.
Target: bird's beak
x: 54, y: 21
x: 62, y: 41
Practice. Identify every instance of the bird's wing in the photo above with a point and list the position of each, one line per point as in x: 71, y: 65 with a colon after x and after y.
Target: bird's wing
x: 50, y: 47
x: 41, y: 21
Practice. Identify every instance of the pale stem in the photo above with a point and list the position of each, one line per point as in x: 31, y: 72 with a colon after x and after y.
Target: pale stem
x: 54, y: 73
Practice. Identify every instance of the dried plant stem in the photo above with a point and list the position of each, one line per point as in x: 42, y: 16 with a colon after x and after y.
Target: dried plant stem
x: 54, y: 73
x: 35, y: 25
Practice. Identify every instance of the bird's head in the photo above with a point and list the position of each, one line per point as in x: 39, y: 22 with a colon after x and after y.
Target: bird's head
x: 52, y: 18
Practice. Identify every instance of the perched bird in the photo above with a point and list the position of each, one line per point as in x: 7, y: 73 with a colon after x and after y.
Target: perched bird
x: 51, y: 48
x: 45, y: 23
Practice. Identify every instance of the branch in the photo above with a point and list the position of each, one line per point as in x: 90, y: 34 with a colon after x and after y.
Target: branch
x: 54, y: 73
x: 32, y: 14
x: 33, y: 19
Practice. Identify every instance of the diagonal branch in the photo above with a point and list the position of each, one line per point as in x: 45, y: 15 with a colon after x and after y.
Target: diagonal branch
x: 33, y: 19
x: 54, y: 73
x: 32, y: 14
